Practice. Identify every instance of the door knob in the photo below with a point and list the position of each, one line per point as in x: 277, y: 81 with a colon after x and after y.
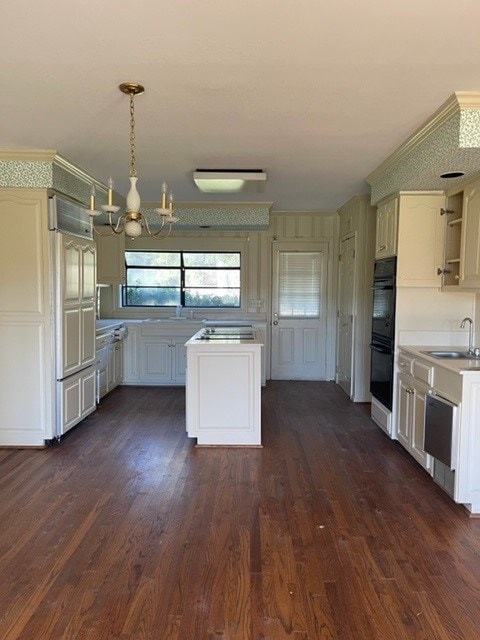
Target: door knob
x: 275, y: 322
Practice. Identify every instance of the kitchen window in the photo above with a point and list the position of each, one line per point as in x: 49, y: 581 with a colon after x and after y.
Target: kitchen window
x: 188, y: 278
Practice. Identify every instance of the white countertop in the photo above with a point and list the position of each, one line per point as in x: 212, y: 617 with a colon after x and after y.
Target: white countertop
x: 108, y: 324
x: 463, y: 366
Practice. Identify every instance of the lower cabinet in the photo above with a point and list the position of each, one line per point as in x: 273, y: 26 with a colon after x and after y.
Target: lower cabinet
x: 156, y: 354
x: 114, y: 365
x: 109, y: 367
x: 411, y: 417
x: 77, y: 399
x: 163, y: 360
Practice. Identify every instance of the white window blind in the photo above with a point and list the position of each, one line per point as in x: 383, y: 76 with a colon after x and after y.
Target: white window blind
x: 299, y: 274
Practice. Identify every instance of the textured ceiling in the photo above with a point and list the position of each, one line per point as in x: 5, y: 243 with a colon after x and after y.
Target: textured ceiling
x: 317, y: 94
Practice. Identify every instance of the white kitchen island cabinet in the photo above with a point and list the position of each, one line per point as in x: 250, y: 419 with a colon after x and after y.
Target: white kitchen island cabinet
x: 224, y: 392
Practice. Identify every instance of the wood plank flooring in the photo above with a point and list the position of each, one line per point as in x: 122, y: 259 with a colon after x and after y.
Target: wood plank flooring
x: 331, y: 531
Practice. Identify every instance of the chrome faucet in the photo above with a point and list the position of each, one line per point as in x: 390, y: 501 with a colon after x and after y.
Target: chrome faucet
x: 470, y: 334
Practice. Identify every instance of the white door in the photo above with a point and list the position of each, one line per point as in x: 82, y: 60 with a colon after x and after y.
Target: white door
x: 299, y: 310
x: 346, y: 277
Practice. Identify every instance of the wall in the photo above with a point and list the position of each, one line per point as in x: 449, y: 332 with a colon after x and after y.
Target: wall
x: 256, y: 247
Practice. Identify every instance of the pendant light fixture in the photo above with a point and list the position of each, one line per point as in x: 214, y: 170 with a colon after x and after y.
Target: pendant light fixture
x: 133, y: 222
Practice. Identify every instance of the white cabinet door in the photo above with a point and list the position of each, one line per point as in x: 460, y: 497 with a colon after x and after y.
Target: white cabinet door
x: 470, y: 250
x: 71, y: 404
x: 88, y: 279
x: 346, y: 300
x: 71, y: 342
x: 421, y: 234
x: 417, y: 435
x: 386, y: 232
x: 110, y: 258
x: 118, y: 363
x: 404, y: 394
x: 155, y: 360
x: 131, y: 355
x: 87, y: 338
x: 111, y: 366
x: 77, y: 399
x: 76, y: 309
x: 89, y: 400
x: 179, y: 356
x: 411, y: 417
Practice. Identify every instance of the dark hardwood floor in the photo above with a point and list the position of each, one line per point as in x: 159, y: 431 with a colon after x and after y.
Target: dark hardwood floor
x: 331, y: 531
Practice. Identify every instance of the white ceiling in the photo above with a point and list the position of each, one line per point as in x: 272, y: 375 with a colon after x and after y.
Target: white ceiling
x: 316, y: 93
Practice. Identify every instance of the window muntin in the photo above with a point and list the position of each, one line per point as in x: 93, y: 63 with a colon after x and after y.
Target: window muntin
x: 187, y: 278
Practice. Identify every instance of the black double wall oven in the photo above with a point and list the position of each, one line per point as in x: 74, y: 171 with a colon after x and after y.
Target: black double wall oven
x: 383, y: 331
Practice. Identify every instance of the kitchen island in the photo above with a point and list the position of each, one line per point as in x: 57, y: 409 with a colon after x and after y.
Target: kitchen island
x: 223, y: 387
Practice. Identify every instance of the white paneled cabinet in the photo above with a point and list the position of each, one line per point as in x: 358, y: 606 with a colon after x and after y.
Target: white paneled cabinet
x: 354, y: 308
x: 386, y: 229
x: 110, y: 257
x: 411, y: 417
x: 155, y: 353
x: 77, y: 398
x: 75, y: 261
x: 420, y: 240
x: 470, y: 247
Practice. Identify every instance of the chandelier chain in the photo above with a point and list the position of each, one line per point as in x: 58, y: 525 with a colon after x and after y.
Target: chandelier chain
x: 133, y: 164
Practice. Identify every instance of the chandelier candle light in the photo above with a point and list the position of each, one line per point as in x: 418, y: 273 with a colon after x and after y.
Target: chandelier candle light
x: 133, y: 222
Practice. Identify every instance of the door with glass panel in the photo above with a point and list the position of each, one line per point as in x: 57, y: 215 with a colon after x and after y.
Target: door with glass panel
x: 299, y: 310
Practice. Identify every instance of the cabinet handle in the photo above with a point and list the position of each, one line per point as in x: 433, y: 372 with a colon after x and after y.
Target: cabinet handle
x: 445, y: 211
x: 440, y: 271
x: 382, y: 248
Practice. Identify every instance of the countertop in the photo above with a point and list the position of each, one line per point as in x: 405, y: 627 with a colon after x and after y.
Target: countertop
x: 467, y: 366
x: 108, y: 324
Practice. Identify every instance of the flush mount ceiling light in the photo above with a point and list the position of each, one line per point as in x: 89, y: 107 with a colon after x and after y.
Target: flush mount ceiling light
x: 227, y: 180
x: 133, y: 222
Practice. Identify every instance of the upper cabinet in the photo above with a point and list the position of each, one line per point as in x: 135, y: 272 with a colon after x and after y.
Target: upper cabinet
x: 470, y: 242
x: 420, y: 243
x: 386, y: 234
x: 110, y: 258
x: 409, y: 226
x: 460, y: 267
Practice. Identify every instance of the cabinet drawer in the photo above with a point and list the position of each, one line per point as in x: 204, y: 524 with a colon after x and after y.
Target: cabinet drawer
x: 423, y: 371
x: 405, y: 363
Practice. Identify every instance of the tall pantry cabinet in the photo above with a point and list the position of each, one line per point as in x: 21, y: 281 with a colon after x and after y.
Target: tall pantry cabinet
x: 354, y: 310
x: 30, y: 319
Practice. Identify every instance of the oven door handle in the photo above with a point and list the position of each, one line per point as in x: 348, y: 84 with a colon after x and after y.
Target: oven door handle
x: 381, y: 349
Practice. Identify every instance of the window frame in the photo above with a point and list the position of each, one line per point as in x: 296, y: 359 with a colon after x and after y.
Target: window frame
x: 183, y: 269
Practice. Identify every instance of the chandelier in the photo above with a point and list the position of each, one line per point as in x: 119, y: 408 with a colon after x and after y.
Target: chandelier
x: 133, y: 222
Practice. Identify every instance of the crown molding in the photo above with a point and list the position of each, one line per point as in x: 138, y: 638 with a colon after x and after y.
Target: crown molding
x: 68, y: 166
x: 28, y: 155
x: 453, y: 105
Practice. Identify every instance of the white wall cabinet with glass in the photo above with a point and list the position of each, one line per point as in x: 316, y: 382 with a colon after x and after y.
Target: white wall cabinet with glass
x: 155, y: 352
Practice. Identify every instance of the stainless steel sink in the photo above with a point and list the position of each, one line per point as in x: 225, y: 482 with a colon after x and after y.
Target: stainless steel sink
x: 454, y: 355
